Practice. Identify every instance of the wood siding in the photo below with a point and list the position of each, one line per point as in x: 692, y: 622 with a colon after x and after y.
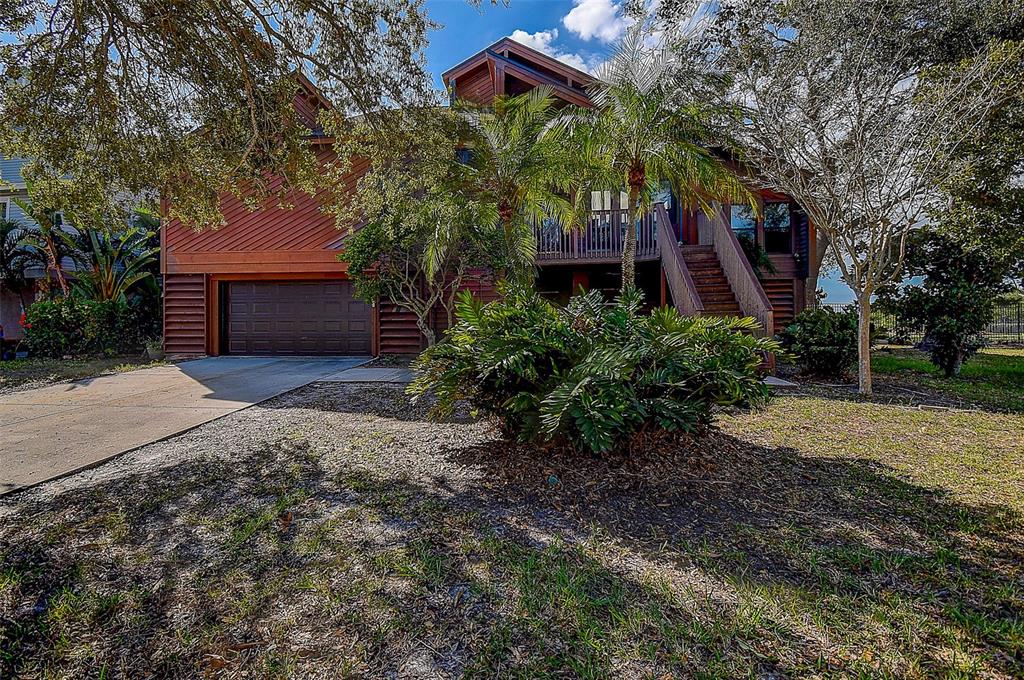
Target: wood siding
x: 399, y: 333
x: 299, y: 238
x: 476, y: 86
x: 185, y: 314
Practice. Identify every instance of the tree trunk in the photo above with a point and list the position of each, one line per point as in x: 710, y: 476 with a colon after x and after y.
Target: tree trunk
x: 55, y: 263
x: 814, y: 269
x: 514, y: 267
x: 864, y: 344
x: 426, y: 330
x: 629, y: 244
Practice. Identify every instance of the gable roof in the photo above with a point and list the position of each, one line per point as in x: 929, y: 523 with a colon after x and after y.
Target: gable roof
x: 500, y: 53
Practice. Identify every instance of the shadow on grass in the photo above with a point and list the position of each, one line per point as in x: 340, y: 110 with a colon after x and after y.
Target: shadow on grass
x: 709, y: 559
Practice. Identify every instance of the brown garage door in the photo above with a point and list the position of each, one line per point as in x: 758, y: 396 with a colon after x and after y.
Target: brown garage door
x: 296, y: 318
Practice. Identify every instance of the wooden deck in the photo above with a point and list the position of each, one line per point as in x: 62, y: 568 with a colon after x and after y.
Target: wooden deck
x: 600, y: 241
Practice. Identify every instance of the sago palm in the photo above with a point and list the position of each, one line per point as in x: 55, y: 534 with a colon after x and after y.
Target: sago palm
x: 117, y: 262
x: 517, y: 165
x: 645, y: 129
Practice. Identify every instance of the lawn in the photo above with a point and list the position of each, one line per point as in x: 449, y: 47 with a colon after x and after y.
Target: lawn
x: 334, y: 532
x: 993, y: 378
x: 23, y: 374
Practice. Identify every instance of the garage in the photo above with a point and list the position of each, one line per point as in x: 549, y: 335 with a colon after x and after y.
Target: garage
x: 297, y: 318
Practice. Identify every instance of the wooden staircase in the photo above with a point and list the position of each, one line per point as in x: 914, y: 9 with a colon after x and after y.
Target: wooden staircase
x: 710, y: 281
x: 780, y: 294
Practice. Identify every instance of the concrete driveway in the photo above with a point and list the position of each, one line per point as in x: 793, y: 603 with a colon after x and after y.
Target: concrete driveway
x: 51, y: 431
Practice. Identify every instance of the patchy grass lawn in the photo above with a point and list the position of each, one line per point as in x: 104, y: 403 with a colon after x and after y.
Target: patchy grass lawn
x: 992, y: 378
x: 23, y: 374
x: 335, y: 533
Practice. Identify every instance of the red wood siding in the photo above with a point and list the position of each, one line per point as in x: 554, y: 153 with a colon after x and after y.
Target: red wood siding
x: 398, y: 331
x: 185, y: 314
x: 476, y: 86
x: 301, y: 238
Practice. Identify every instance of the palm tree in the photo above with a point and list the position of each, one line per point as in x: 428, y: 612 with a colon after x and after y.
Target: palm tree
x: 117, y: 262
x: 14, y: 259
x: 517, y: 165
x: 647, y: 127
x: 45, y: 238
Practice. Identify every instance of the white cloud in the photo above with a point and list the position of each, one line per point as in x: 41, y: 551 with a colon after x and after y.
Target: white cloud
x: 601, y: 19
x: 543, y: 41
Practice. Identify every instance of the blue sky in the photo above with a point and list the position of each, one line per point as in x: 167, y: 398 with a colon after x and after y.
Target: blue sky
x: 576, y: 31
x: 579, y: 32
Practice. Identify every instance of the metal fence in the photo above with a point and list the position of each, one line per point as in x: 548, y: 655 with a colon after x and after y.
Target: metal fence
x: 1006, y: 328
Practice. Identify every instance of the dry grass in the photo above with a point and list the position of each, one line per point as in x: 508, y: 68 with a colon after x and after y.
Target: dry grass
x: 23, y: 374
x: 820, y: 537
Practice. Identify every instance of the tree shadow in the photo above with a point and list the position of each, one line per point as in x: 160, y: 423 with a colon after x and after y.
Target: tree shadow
x: 712, y: 557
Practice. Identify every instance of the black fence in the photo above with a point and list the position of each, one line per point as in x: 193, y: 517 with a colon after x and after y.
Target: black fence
x: 1007, y: 328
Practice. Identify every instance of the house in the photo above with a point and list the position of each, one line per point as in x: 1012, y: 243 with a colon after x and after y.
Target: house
x: 268, y: 282
x: 14, y: 302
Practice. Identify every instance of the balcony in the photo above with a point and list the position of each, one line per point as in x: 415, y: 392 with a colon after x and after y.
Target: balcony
x: 600, y: 241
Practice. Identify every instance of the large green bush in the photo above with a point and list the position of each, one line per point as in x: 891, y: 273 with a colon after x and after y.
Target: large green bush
x: 590, y: 374
x: 823, y: 340
x: 956, y: 297
x: 79, y: 327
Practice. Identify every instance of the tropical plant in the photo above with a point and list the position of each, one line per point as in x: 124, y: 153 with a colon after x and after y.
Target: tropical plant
x: 14, y: 259
x: 955, y: 299
x: 44, y: 237
x: 823, y: 340
x: 591, y: 375
x: 652, y: 122
x: 757, y: 256
x: 116, y: 262
x: 518, y: 165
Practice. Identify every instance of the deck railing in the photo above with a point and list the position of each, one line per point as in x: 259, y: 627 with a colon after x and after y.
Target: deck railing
x: 599, y: 241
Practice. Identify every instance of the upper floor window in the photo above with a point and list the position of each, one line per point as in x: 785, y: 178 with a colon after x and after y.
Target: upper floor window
x: 778, y: 228
x: 744, y: 222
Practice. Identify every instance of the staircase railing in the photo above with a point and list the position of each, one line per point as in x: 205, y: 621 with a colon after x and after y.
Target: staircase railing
x: 744, y: 282
x: 677, y: 274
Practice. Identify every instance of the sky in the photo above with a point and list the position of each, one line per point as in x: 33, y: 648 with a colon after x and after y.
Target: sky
x: 579, y: 32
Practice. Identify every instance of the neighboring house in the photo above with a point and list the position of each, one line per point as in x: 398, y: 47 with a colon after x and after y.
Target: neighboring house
x: 268, y: 282
x: 12, y: 186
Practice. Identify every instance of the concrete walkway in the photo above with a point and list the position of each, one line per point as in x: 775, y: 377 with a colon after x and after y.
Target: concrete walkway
x: 399, y: 376
x: 52, y: 431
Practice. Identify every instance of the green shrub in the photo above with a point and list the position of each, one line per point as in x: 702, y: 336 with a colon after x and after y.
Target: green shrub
x: 823, y: 340
x: 590, y: 374
x: 955, y: 300
x: 77, y: 327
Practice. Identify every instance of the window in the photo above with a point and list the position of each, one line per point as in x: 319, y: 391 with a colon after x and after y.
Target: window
x: 778, y: 229
x: 4, y: 208
x: 600, y: 200
x: 744, y: 222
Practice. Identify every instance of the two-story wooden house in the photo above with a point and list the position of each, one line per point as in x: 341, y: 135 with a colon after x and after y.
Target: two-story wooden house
x: 269, y: 281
